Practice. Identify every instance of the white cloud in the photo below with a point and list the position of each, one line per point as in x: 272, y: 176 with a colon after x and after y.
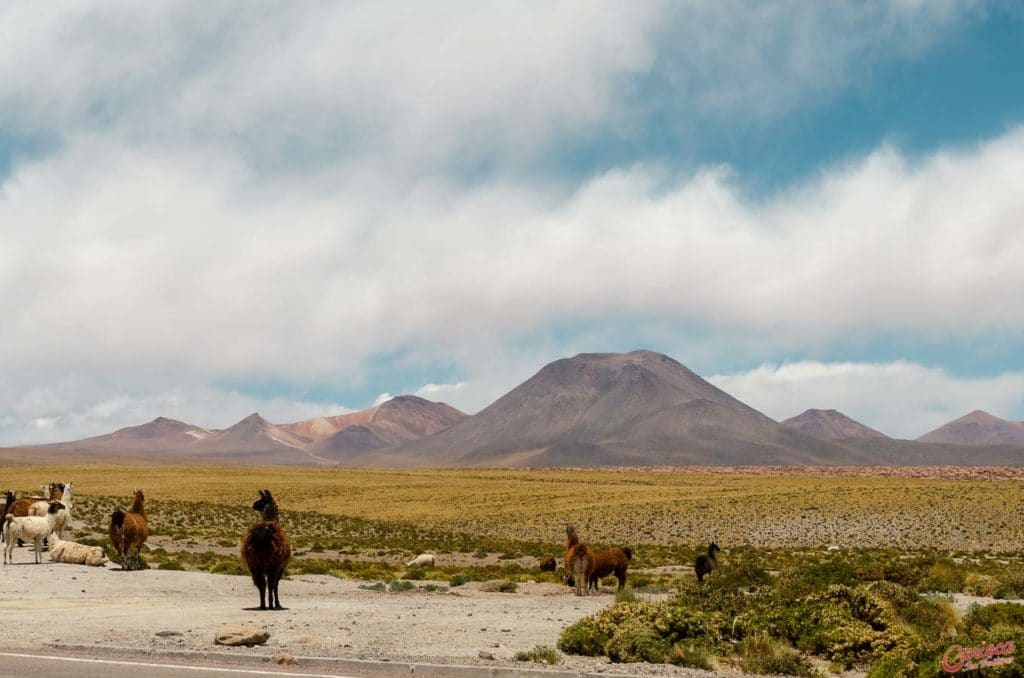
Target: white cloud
x: 176, y: 269
x: 901, y: 399
x: 398, y: 88
x: 76, y: 409
x: 148, y: 253
x: 382, y: 398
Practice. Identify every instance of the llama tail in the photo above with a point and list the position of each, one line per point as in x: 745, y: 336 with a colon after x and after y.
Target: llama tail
x: 628, y: 552
x: 117, y: 529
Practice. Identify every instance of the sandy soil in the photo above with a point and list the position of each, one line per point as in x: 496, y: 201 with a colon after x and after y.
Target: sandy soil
x: 325, y: 616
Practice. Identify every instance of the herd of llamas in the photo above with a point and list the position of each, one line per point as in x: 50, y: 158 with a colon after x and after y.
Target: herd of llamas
x: 265, y: 549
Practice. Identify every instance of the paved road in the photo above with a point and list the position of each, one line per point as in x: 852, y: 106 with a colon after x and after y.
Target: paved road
x: 27, y: 665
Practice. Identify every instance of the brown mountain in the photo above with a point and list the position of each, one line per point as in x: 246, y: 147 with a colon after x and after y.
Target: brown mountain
x: 830, y: 425
x: 615, y: 409
x: 397, y: 421
x: 254, y: 439
x: 159, y: 435
x: 977, y: 428
x: 321, y: 428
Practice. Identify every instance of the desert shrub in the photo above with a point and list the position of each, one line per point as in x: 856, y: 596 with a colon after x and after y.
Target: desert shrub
x: 228, y: 566
x: 499, y: 586
x: 635, y: 641
x: 541, y: 654
x: 376, y: 586
x: 692, y: 653
x: 1000, y: 614
x: 458, y: 580
x: 584, y: 637
x: 400, y: 585
x: 626, y: 595
x: 944, y: 575
x: 435, y: 588
x: 761, y: 654
x: 590, y: 635
x: 171, y: 565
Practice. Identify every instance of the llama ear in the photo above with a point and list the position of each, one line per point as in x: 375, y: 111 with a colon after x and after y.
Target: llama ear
x: 263, y: 494
x: 266, y: 493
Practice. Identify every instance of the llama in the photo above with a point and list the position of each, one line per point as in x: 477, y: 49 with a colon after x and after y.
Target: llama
x: 422, y: 560
x: 19, y: 508
x: 129, y: 531
x: 266, y: 550
x: 548, y: 564
x: 705, y: 564
x: 63, y: 516
x: 610, y: 561
x: 579, y: 561
x: 36, y: 528
x: 78, y: 554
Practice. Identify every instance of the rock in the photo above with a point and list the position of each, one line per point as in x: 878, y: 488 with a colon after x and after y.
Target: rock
x: 484, y: 654
x: 166, y: 634
x: 285, y: 659
x: 241, y: 635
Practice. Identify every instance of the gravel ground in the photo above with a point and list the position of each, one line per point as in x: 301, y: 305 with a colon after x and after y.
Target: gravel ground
x: 326, y: 616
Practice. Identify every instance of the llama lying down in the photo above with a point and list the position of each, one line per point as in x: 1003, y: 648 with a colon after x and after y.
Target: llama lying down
x: 422, y: 560
x: 72, y: 552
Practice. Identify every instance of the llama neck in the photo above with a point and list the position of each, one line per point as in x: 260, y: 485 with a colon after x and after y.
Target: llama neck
x: 137, y: 506
x: 270, y: 511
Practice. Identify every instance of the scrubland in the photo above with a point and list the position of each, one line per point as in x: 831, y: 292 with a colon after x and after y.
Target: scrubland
x: 819, y: 572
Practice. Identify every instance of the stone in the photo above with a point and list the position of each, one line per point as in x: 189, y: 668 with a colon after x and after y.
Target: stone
x: 484, y: 654
x: 241, y: 635
x: 167, y: 634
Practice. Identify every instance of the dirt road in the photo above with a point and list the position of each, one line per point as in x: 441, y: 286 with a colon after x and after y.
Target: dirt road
x: 157, y: 610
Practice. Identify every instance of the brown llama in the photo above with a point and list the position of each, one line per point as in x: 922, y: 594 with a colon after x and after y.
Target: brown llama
x: 548, y: 564
x: 19, y: 507
x: 610, y: 561
x: 129, y: 531
x: 579, y: 561
x: 706, y: 564
x: 266, y: 551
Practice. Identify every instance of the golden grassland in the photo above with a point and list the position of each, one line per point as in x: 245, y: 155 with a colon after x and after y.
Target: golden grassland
x: 623, y: 507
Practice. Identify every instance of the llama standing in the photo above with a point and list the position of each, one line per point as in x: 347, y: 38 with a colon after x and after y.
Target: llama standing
x: 266, y: 550
x: 706, y: 564
x: 611, y: 561
x: 128, y: 531
x: 579, y: 561
x: 63, y: 516
x: 36, y: 528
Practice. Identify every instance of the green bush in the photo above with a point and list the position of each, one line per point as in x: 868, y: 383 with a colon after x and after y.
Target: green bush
x: 458, y: 580
x: 541, y: 654
x: 229, y: 566
x: 634, y: 641
x: 171, y: 565
x: 764, y: 655
x: 692, y: 653
x: 400, y: 585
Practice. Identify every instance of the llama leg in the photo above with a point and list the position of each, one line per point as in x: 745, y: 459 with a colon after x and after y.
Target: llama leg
x: 275, y: 597
x: 261, y: 584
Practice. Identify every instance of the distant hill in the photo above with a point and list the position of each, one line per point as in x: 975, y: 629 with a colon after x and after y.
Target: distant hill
x: 255, y: 439
x: 830, y: 425
x: 397, y: 421
x: 322, y: 440
x: 159, y: 435
x: 614, y: 409
x: 977, y: 428
x: 595, y: 409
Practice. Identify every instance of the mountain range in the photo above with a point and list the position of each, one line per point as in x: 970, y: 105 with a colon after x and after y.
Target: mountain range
x: 594, y: 409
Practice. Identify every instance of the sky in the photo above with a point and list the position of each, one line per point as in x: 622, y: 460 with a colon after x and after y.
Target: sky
x: 305, y: 207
